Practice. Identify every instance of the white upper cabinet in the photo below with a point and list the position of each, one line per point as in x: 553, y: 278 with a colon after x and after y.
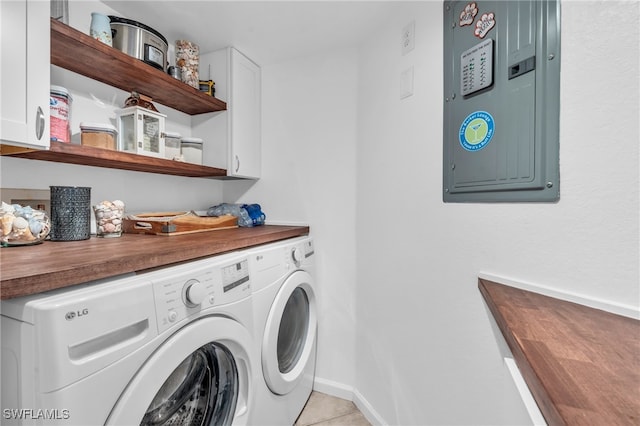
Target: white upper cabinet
x: 234, y: 135
x: 245, y: 116
x: 24, y: 89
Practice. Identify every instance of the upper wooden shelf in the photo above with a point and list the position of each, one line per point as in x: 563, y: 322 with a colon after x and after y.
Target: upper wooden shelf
x: 78, y: 52
x: 61, y: 152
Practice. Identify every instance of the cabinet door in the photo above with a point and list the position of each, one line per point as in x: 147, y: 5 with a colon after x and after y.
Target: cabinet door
x: 245, y: 117
x: 25, y: 59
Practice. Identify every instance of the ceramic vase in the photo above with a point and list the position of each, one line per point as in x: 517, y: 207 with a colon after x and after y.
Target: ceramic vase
x: 101, y: 28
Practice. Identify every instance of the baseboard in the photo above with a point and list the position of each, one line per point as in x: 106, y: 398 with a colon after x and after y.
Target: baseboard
x: 604, y: 305
x: 339, y: 390
x: 343, y: 391
x: 367, y: 410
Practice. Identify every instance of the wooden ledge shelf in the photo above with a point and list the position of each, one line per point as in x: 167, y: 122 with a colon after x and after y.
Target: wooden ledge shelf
x: 61, y: 152
x: 80, y: 53
x: 581, y: 364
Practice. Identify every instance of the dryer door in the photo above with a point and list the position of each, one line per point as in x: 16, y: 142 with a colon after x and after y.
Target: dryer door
x: 199, y: 376
x: 290, y: 333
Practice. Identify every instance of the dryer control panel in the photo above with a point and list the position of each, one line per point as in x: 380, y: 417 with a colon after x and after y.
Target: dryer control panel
x: 185, y: 291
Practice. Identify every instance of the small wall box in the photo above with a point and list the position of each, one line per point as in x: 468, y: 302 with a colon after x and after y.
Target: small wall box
x: 141, y: 131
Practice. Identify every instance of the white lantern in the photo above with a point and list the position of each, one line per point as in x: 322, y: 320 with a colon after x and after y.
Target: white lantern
x: 141, y: 131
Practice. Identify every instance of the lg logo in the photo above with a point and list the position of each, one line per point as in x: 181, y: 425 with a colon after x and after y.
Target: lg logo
x: 72, y: 314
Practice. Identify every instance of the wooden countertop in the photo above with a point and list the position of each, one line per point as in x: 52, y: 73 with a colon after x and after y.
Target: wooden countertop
x: 33, y: 269
x: 581, y: 364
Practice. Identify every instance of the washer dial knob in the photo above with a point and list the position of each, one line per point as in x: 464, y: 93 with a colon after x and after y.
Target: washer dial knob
x: 194, y: 293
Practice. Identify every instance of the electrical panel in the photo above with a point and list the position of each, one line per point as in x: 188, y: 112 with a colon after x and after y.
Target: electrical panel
x: 501, y: 101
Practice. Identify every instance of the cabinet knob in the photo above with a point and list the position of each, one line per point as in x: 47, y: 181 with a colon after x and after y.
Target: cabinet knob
x: 237, y: 163
x: 39, y: 123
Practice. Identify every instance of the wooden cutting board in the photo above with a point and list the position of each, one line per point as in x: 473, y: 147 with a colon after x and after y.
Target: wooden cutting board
x: 175, y: 223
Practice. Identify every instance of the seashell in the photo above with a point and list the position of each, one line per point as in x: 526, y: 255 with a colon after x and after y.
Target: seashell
x: 20, y: 223
x: 109, y: 227
x: 20, y: 235
x: 39, y: 215
x: 25, y: 212
x: 26, y: 235
x: 7, y: 223
x: 35, y: 226
x: 7, y: 208
x: 119, y: 204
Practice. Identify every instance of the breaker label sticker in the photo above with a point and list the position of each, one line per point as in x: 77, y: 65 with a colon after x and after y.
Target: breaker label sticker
x: 468, y: 14
x: 486, y: 22
x: 476, y: 131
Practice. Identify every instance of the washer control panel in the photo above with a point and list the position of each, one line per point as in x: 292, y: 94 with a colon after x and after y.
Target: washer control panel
x: 185, y: 291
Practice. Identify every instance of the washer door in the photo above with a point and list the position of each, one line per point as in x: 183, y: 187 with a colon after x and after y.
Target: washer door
x: 290, y: 333
x: 199, y: 376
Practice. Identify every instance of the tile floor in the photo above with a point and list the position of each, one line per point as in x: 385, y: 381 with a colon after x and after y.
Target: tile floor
x: 326, y: 410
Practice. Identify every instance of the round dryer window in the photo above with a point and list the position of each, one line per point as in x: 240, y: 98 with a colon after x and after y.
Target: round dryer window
x: 292, y: 334
x: 202, y: 390
x: 289, y: 339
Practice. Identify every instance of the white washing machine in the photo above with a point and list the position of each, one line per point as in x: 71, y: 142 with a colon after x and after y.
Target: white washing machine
x: 169, y: 347
x: 284, y: 299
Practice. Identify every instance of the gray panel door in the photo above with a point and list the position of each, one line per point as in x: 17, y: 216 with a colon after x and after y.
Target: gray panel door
x: 497, y: 107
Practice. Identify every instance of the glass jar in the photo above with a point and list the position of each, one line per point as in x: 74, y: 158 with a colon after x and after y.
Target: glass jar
x: 109, y: 216
x: 192, y: 150
x: 99, y: 135
x: 172, y: 145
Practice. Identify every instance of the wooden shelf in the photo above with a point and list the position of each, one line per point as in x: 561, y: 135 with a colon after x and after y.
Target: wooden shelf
x: 78, y: 52
x: 61, y: 152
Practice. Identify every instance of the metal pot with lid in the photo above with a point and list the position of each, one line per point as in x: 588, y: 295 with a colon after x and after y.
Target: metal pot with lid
x: 140, y: 41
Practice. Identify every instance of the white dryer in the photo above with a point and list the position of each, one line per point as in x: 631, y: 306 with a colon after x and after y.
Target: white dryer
x: 284, y: 298
x: 169, y: 347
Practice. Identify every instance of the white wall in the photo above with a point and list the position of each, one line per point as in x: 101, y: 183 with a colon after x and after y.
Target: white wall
x: 425, y: 351
x: 141, y: 192
x: 308, y: 176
